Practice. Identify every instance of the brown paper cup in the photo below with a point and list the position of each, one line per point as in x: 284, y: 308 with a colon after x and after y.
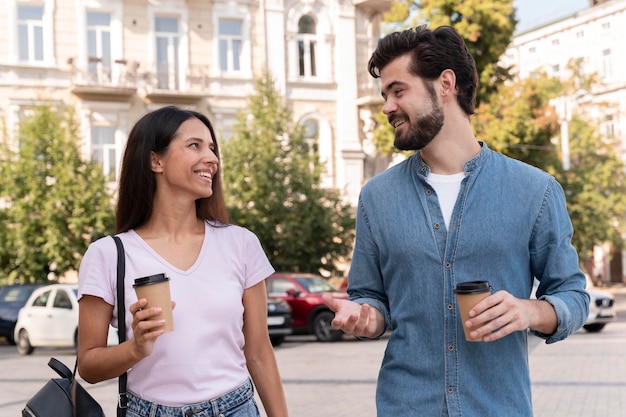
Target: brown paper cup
x: 156, y: 290
x: 468, y: 294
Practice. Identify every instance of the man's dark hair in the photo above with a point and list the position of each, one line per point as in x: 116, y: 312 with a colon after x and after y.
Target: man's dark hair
x: 432, y: 52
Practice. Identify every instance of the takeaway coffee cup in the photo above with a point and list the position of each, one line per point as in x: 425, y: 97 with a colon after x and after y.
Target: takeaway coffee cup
x: 468, y: 294
x: 156, y: 290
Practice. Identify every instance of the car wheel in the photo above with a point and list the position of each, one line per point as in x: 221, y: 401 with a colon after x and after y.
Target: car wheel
x: 277, y: 340
x: 23, y: 343
x: 322, y: 328
x: 594, y: 328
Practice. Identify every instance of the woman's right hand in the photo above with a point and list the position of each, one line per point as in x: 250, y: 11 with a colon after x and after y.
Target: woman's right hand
x: 146, y: 328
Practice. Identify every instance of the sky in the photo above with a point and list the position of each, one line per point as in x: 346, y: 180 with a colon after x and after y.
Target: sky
x: 532, y: 13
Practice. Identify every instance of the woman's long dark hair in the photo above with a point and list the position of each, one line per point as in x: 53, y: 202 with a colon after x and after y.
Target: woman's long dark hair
x: 137, y: 185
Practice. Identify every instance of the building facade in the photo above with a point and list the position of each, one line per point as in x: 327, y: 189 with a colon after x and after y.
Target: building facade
x: 595, y: 39
x: 115, y: 60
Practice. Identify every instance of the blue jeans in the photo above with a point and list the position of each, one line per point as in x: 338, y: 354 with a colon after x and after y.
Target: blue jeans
x: 237, y: 403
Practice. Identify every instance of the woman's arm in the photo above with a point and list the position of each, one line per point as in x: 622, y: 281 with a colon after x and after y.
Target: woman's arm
x: 99, y: 362
x: 259, y: 352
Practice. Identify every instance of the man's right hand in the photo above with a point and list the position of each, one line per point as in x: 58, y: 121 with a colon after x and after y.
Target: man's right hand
x: 360, y: 320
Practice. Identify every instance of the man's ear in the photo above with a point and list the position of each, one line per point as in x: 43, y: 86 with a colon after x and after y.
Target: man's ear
x: 155, y: 162
x: 447, y: 81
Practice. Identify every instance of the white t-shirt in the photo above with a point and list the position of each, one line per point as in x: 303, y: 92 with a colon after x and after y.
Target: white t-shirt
x: 447, y: 188
x: 203, y: 357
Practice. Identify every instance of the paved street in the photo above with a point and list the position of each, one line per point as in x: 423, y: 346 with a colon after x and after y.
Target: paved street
x: 583, y: 376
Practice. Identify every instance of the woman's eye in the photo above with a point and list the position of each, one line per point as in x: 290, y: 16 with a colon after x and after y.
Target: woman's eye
x: 194, y: 145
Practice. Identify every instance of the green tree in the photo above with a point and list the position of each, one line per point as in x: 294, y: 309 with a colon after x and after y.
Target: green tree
x: 595, y: 187
x: 272, y: 176
x: 519, y: 121
x: 54, y: 203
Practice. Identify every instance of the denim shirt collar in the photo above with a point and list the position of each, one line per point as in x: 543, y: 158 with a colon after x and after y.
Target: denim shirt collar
x: 423, y: 169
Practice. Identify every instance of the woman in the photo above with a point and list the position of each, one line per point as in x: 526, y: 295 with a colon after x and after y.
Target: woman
x: 172, y: 219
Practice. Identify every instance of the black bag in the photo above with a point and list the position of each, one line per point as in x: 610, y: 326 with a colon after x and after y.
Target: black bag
x: 62, y: 397
x: 65, y: 397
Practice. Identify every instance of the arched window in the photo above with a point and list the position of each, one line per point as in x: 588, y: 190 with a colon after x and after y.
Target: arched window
x: 306, y: 46
x: 311, y: 134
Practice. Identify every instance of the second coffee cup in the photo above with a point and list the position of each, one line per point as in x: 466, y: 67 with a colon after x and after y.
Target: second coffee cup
x: 468, y: 294
x: 156, y: 290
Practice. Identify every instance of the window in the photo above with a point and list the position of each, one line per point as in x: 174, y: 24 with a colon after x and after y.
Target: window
x: 607, y: 66
x: 62, y: 300
x: 167, y: 45
x: 103, y: 150
x: 311, y: 129
x: 99, y: 45
x: 608, y: 127
x: 230, y: 41
x: 42, y: 299
x: 532, y: 50
x: 306, y: 46
x: 30, y: 33
x: 279, y: 286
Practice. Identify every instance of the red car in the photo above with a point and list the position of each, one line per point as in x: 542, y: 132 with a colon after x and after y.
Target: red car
x: 303, y: 292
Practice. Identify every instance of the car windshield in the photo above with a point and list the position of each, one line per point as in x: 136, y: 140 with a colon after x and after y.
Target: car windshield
x: 315, y: 284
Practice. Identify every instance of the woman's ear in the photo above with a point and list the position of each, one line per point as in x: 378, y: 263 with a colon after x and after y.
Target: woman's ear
x: 155, y: 162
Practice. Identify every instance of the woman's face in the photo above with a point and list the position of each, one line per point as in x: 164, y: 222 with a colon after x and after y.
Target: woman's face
x: 188, y: 166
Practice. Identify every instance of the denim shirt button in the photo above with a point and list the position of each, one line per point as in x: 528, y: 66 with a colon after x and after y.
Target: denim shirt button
x: 450, y: 307
x: 448, y: 264
x: 429, y: 192
x: 450, y: 390
x: 436, y: 225
x: 451, y: 348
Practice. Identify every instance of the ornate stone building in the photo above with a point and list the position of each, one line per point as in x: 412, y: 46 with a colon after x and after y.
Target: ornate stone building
x: 114, y: 60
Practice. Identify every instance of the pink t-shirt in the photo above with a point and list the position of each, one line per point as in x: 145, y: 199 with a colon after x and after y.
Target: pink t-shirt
x: 203, y: 357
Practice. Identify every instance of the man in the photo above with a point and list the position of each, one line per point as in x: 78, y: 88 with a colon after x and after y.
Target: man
x: 454, y: 212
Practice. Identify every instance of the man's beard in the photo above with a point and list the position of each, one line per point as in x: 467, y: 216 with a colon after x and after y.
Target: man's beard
x: 422, y: 129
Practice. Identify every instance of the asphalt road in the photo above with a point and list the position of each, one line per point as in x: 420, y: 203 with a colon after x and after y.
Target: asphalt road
x: 583, y: 376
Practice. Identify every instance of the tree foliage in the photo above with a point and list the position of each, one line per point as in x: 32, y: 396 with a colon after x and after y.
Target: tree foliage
x: 53, y: 203
x: 272, y: 176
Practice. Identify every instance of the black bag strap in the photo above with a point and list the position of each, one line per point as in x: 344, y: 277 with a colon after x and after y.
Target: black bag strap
x: 60, y: 368
x: 122, y: 403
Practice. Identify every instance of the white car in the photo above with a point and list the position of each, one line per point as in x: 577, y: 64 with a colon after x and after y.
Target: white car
x: 50, y: 319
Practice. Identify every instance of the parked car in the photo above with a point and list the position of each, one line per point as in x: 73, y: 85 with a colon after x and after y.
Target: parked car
x: 303, y: 292
x: 12, y: 299
x: 278, y: 320
x: 601, y: 307
x: 50, y: 319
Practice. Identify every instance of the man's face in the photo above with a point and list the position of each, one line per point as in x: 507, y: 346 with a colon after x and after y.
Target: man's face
x: 411, y: 105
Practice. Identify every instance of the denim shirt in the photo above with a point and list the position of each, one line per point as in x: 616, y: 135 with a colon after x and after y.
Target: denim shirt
x: 509, y: 224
